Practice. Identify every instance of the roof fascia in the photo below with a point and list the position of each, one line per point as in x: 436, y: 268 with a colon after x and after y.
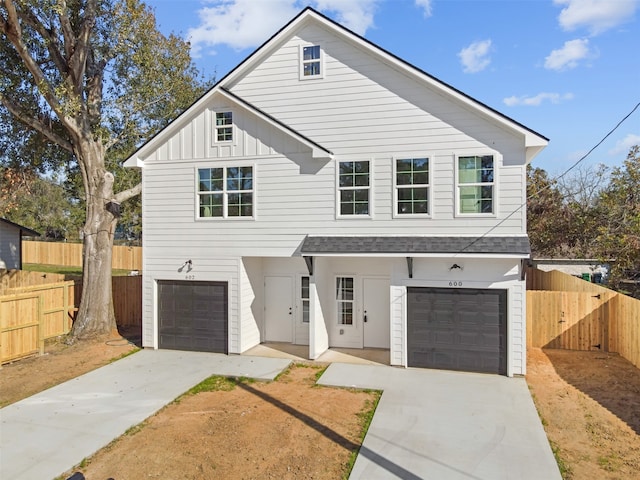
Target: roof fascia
x: 25, y: 230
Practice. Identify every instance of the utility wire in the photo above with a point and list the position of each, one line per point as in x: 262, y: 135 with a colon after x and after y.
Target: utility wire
x: 552, y: 181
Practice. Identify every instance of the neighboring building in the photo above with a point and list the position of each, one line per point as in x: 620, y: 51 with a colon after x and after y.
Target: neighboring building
x: 326, y: 193
x: 11, y: 244
x: 591, y: 270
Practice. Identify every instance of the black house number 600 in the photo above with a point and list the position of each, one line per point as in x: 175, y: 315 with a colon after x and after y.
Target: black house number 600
x: 455, y: 284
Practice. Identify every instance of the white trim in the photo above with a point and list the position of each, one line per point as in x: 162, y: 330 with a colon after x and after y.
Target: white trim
x: 214, y: 127
x: 224, y: 166
x: 302, y: 62
x: 429, y: 185
x: 497, y: 161
x: 420, y: 255
x: 369, y: 188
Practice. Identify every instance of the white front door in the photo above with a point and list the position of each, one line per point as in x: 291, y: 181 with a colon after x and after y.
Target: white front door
x: 376, y: 313
x: 278, y: 309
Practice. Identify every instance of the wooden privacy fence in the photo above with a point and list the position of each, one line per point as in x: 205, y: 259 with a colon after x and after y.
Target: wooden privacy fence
x: 567, y: 312
x: 70, y: 255
x: 30, y: 315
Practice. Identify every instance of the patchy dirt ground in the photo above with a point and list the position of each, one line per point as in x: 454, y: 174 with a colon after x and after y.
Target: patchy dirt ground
x: 589, y: 402
x: 60, y: 363
x: 590, y: 406
x: 286, y: 429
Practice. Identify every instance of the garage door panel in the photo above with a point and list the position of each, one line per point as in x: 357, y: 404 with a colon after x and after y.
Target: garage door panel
x: 457, y: 329
x: 193, y: 316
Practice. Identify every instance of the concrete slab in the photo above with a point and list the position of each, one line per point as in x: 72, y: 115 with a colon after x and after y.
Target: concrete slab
x: 46, y: 434
x: 448, y: 426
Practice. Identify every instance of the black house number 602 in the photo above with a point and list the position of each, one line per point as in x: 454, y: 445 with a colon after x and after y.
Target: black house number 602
x: 190, y: 277
x: 455, y: 284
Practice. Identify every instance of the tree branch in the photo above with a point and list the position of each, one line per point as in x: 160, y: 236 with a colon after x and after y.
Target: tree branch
x: 50, y: 38
x: 11, y: 28
x: 78, y: 60
x: 127, y: 194
x: 36, y: 125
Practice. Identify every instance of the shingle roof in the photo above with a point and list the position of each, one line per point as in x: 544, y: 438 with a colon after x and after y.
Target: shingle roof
x: 27, y: 231
x: 314, y: 245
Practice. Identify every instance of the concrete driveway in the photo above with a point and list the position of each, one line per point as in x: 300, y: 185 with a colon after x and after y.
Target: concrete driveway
x: 44, y: 435
x: 441, y: 425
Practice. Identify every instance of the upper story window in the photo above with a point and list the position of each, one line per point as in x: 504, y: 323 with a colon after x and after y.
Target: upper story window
x: 225, y: 192
x: 476, y: 185
x: 310, y: 61
x: 224, y: 127
x: 353, y: 188
x: 412, y: 186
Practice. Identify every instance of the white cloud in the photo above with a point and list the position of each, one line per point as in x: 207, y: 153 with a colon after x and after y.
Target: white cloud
x: 425, y: 5
x: 356, y: 15
x: 596, y: 15
x: 240, y: 24
x: 623, y: 146
x: 568, y: 56
x: 475, y: 57
x: 535, y: 101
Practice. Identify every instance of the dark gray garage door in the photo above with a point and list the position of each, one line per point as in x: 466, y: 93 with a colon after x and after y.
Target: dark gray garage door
x: 193, y: 316
x: 457, y: 329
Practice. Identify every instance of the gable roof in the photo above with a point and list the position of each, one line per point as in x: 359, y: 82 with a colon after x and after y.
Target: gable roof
x: 25, y: 230
x: 534, y: 141
x: 317, y: 150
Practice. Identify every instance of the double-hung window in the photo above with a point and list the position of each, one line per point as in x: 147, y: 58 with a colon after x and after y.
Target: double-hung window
x: 476, y: 184
x: 225, y: 192
x: 310, y: 61
x: 412, y: 186
x: 224, y: 127
x: 354, y: 184
x: 344, y: 300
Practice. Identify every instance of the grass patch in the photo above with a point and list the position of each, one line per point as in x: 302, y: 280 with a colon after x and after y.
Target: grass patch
x: 66, y: 270
x: 364, y: 419
x: 565, y: 469
x: 320, y: 372
x: 215, y: 383
x: 609, y: 462
x: 125, y: 354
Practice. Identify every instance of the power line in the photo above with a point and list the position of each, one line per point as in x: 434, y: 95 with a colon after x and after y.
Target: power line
x: 537, y: 193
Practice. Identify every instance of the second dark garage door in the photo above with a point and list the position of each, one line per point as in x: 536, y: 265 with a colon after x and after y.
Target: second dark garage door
x: 457, y: 329
x: 193, y: 316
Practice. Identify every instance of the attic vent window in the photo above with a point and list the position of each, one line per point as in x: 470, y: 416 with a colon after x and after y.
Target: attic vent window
x: 224, y: 127
x: 311, y: 62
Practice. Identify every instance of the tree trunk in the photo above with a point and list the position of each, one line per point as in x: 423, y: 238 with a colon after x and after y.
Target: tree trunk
x: 96, y: 315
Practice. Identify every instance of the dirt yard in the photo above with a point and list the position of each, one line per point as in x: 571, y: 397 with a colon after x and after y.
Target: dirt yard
x: 60, y: 363
x: 590, y: 406
x: 589, y: 403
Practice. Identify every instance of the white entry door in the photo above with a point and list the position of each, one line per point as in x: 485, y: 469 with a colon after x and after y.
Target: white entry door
x: 278, y: 309
x: 376, y: 316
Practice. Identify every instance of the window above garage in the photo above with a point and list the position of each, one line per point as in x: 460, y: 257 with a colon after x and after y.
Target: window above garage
x: 225, y: 192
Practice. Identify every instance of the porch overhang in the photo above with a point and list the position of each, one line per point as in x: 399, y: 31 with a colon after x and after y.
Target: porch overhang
x: 415, y: 246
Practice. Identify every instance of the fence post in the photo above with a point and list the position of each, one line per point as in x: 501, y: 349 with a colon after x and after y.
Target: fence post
x: 41, y: 323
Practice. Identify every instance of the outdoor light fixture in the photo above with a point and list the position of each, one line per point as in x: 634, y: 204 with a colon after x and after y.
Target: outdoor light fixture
x: 455, y: 266
x: 188, y: 264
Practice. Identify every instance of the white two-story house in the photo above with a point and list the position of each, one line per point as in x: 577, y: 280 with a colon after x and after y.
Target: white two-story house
x: 327, y: 193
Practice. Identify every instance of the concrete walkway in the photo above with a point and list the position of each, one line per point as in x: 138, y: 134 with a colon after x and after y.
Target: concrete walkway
x: 43, y: 436
x: 441, y: 425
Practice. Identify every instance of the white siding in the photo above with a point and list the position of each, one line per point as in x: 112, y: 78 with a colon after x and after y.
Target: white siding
x: 251, y: 301
x: 9, y: 247
x: 476, y: 273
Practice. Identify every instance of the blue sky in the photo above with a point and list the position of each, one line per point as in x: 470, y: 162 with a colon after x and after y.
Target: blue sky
x: 568, y: 69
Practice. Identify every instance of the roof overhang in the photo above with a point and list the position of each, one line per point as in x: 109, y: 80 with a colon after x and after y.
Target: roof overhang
x: 416, y: 246
x: 25, y: 230
x: 136, y: 160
